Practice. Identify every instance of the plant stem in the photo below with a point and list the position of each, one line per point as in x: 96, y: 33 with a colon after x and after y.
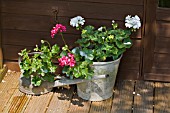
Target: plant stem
x: 64, y: 41
x: 63, y: 38
x: 48, y: 44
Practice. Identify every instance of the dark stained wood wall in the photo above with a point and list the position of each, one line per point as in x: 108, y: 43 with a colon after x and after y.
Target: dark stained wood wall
x: 25, y: 23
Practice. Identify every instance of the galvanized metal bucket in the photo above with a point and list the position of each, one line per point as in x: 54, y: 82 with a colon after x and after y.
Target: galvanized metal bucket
x: 100, y: 89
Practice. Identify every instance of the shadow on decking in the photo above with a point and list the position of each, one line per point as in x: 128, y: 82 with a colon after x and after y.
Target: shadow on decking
x: 69, y: 93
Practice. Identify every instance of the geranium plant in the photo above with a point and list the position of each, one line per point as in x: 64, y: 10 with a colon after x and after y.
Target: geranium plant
x: 96, y: 45
x: 105, y: 44
x: 38, y: 65
x: 74, y: 65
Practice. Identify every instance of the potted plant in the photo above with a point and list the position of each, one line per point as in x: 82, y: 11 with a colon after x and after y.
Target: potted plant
x: 37, y: 68
x: 99, y: 52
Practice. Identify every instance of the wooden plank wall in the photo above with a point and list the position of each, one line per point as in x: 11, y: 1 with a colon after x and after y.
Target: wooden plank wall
x: 161, y: 64
x: 25, y: 23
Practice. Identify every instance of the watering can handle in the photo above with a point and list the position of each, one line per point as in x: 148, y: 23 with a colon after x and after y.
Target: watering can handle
x: 64, y: 81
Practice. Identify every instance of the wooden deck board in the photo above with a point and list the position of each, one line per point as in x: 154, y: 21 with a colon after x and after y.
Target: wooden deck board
x: 7, y: 88
x: 123, y: 97
x: 129, y: 96
x: 17, y: 102
x: 101, y: 106
x: 143, y: 99
x: 61, y: 99
x: 79, y: 105
x: 162, y: 98
x: 39, y: 104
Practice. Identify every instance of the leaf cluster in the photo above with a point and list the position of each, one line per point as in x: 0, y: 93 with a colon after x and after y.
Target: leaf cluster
x: 38, y: 64
x: 105, y: 44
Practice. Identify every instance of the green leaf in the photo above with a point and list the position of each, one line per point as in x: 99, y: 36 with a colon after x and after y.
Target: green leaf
x: 63, y: 53
x: 65, y: 48
x: 65, y: 69
x: 48, y: 77
x: 119, y: 37
x: 89, y: 29
x: 120, y: 44
x: 52, y: 69
x: 77, y: 75
x: 120, y: 52
x: 128, y: 32
x: 55, y: 49
x: 126, y: 41
x: 89, y: 56
x: 36, y: 81
x: 26, y: 73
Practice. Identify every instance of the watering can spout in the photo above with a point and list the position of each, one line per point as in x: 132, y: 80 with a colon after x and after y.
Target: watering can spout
x: 65, y: 81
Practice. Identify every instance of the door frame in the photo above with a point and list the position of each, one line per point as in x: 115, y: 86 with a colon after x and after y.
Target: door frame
x: 149, y: 36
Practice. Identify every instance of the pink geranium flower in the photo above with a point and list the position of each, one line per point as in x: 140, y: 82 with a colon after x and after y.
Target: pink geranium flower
x: 63, y: 61
x: 56, y: 29
x: 67, y: 60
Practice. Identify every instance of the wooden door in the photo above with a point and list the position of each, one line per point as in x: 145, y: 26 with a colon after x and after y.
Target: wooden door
x: 156, y: 43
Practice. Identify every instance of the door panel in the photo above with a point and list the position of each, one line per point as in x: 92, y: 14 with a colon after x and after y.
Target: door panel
x: 159, y: 66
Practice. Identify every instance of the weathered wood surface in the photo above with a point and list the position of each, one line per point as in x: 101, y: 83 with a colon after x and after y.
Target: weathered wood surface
x: 78, y: 105
x: 149, y: 34
x: 102, y: 106
x: 7, y: 88
x: 163, y: 14
x: 163, y: 28
x: 128, y: 97
x: 159, y: 63
x: 143, y: 97
x: 60, y: 102
x: 123, y: 97
x: 162, y: 103
x: 67, y: 8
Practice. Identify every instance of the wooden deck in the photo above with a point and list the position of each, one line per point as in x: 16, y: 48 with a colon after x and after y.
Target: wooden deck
x: 129, y: 97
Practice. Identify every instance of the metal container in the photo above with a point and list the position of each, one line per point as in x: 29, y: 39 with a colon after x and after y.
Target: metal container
x: 100, y: 89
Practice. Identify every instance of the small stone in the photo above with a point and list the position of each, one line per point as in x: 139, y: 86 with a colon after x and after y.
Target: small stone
x: 138, y: 94
x: 3, y: 81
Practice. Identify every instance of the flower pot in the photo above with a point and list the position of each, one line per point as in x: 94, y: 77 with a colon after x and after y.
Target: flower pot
x: 101, y: 89
x: 25, y: 86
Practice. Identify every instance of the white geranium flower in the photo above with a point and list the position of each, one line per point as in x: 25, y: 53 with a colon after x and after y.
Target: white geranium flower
x: 113, y: 21
x: 76, y: 21
x: 136, y: 22
x: 137, y: 18
x: 100, y: 29
x: 128, y: 25
x: 132, y: 22
x: 127, y: 18
x: 127, y: 43
x: 80, y: 20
